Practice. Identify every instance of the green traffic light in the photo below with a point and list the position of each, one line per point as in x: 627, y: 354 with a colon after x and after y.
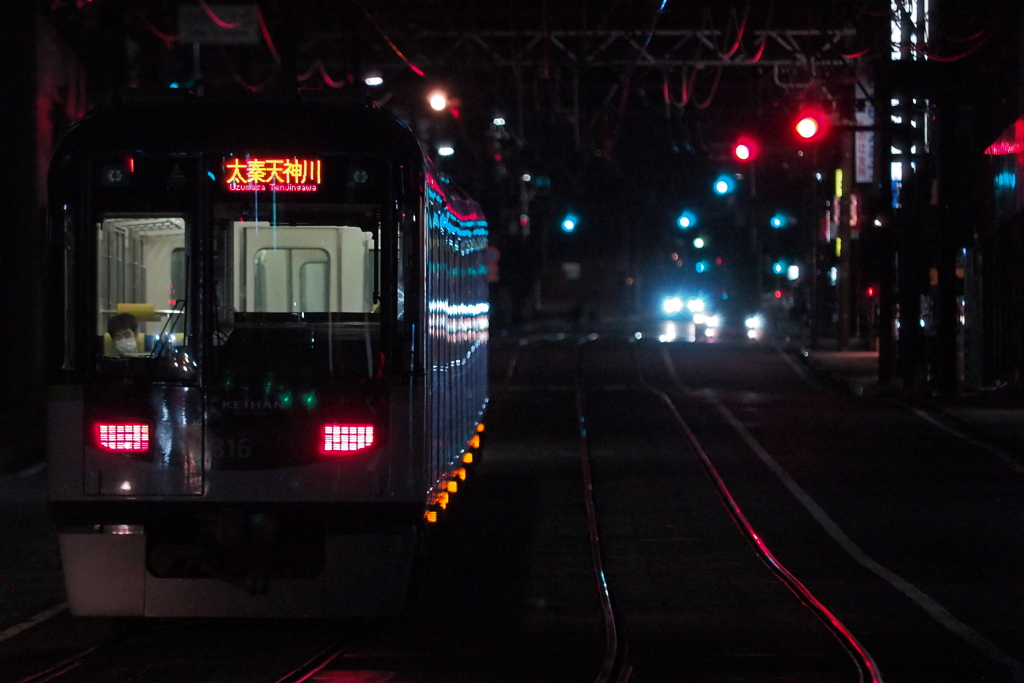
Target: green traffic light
x: 724, y: 184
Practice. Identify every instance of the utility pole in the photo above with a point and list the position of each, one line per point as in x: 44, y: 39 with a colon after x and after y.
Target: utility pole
x: 844, y: 190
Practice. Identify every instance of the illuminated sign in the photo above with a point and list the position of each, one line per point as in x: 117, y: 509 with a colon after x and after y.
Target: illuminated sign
x: 278, y: 175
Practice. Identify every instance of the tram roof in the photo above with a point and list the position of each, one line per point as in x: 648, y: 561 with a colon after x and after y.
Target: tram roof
x: 191, y: 126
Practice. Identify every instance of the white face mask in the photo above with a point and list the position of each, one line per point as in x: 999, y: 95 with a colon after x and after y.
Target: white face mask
x: 125, y: 346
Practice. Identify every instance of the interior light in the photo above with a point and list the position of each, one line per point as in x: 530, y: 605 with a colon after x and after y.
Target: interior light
x: 453, y: 487
x: 123, y: 437
x: 474, y: 442
x: 467, y: 457
x: 431, y: 516
x: 341, y: 438
x: 480, y: 428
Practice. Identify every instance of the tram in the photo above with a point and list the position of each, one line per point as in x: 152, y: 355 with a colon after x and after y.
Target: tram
x: 268, y: 355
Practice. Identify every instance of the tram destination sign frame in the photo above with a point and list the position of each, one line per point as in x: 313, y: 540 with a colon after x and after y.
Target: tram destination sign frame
x: 272, y: 174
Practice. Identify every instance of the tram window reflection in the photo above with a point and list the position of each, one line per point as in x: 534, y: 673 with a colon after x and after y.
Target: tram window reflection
x: 304, y: 269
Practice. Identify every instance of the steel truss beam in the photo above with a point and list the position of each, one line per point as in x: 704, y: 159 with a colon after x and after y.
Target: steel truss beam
x: 668, y: 48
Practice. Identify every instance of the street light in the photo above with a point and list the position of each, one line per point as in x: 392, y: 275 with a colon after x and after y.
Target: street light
x: 438, y: 100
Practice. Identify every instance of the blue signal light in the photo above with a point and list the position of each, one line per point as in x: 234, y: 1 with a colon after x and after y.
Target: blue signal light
x: 687, y: 220
x: 569, y: 224
x: 724, y: 184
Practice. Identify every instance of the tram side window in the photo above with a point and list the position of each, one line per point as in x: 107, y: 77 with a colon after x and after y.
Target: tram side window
x: 142, y: 270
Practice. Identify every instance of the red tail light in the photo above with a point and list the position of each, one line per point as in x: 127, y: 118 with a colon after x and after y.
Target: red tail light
x: 123, y: 437
x: 338, y: 438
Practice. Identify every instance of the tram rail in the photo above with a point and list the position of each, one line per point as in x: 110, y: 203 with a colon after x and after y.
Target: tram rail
x: 867, y: 668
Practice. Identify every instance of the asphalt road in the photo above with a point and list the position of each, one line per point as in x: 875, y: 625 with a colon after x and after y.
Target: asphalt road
x: 911, y: 537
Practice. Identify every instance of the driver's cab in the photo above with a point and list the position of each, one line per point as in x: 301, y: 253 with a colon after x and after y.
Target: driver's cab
x: 142, y: 276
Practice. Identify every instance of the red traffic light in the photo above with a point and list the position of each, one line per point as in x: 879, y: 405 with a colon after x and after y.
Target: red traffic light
x: 811, y: 124
x: 745, y: 149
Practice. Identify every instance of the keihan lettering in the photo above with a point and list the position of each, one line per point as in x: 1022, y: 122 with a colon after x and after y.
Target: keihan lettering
x: 243, y: 405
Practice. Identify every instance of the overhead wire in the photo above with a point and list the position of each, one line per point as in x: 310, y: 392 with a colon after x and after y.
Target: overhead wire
x: 217, y: 20
x: 764, y: 38
x: 741, y: 27
x: 951, y: 58
x: 394, y: 48
x: 610, y: 141
x: 318, y: 66
x: 266, y: 35
x: 167, y: 38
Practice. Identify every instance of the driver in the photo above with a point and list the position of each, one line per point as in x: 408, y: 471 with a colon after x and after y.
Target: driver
x: 123, y: 329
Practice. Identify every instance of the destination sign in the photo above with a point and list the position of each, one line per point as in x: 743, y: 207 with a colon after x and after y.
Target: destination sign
x: 278, y: 175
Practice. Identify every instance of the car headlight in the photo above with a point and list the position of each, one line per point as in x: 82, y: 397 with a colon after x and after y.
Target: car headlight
x: 672, y: 305
x: 695, y: 305
x: 754, y: 322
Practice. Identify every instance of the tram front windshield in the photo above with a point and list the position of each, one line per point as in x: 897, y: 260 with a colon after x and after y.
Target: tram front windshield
x: 293, y: 297
x: 297, y: 296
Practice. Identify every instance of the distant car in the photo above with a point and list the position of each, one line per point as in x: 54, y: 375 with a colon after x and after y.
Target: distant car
x: 679, y: 306
x: 739, y: 325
